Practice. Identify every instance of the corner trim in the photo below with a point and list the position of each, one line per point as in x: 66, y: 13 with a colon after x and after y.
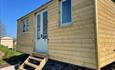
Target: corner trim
x: 96, y: 35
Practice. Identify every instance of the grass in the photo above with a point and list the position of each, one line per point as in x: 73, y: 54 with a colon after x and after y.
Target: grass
x: 11, y: 56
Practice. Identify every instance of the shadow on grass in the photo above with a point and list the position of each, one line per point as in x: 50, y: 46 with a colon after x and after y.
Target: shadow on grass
x: 16, y: 59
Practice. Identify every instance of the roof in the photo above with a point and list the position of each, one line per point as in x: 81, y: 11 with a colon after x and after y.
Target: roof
x: 6, y: 38
x: 34, y: 10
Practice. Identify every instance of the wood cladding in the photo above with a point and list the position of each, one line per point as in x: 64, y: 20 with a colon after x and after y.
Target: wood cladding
x: 75, y: 42
x: 89, y: 41
x: 106, y: 31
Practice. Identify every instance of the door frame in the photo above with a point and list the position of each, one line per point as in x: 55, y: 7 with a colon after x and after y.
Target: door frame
x: 36, y: 29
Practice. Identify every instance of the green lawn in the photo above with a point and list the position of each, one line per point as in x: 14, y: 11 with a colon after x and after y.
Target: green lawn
x: 11, y: 56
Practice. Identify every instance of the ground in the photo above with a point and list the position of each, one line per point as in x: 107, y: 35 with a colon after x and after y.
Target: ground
x: 8, y: 68
x: 11, y: 59
x: 56, y: 65
x: 109, y: 67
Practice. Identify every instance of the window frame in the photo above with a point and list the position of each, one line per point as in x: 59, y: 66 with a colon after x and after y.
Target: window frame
x: 25, y: 25
x: 60, y: 14
x: 46, y: 9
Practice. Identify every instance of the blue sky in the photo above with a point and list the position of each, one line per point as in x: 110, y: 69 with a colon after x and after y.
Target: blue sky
x: 11, y: 10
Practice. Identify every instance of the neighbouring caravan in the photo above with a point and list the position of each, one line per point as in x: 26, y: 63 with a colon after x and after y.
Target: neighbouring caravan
x: 79, y: 32
x: 7, y: 42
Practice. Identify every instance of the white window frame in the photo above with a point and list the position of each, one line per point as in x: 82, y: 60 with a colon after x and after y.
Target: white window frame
x: 60, y: 6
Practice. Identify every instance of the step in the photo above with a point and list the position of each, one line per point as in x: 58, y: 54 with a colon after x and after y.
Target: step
x: 30, y: 64
x: 21, y: 68
x: 42, y: 63
x: 34, y: 58
x: 39, y: 54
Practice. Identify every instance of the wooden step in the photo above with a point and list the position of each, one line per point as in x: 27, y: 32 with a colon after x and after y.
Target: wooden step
x: 34, y: 58
x: 30, y: 64
x: 42, y: 64
x: 41, y: 59
x: 21, y: 68
x: 39, y: 54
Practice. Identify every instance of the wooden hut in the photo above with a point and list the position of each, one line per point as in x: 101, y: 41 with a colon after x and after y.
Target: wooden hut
x: 79, y: 32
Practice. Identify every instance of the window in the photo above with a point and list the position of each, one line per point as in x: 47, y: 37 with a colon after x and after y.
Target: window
x: 38, y: 26
x: 25, y: 25
x: 45, y: 21
x: 65, y: 12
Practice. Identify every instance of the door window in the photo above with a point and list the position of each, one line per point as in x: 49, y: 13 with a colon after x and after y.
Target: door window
x: 38, y: 26
x: 45, y: 21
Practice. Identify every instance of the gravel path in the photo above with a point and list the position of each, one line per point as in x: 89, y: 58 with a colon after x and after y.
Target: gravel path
x: 8, y: 68
x: 54, y: 65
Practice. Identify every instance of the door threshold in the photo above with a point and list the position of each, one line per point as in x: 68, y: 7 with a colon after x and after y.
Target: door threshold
x: 39, y: 54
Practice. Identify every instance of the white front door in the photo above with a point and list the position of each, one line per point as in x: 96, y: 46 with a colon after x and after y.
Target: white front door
x: 41, y: 32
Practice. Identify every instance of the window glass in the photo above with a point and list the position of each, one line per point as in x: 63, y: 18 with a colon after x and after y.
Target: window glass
x: 65, y: 11
x: 38, y: 26
x: 45, y: 21
x: 25, y: 25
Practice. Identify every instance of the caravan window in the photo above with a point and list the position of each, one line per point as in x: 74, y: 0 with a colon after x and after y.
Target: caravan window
x: 65, y: 12
x: 25, y: 25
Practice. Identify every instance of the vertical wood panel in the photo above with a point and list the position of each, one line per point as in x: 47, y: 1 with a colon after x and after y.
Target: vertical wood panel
x: 106, y: 31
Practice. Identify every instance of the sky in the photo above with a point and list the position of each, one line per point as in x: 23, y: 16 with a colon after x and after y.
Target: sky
x: 11, y: 10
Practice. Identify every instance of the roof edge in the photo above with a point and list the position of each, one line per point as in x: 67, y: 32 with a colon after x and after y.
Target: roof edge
x: 34, y: 10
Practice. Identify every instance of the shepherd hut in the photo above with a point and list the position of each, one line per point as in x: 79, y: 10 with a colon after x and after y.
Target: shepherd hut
x: 78, y: 32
